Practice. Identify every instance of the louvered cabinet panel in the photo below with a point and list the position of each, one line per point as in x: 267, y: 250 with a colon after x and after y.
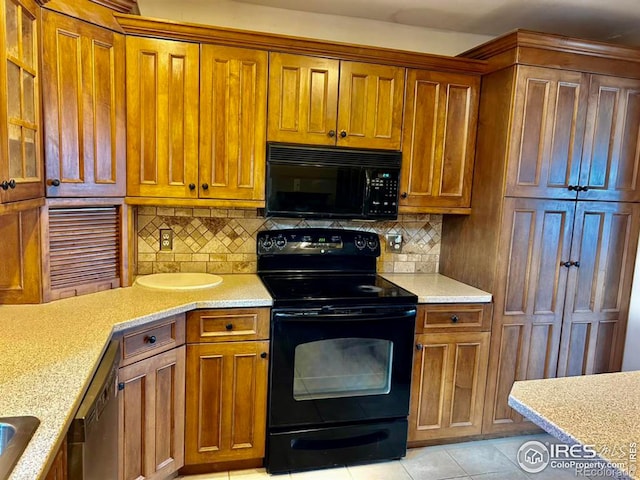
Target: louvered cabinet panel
x: 84, y: 249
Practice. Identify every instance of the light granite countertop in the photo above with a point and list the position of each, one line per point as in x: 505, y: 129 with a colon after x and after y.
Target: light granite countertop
x: 436, y: 288
x: 599, y: 410
x: 50, y: 351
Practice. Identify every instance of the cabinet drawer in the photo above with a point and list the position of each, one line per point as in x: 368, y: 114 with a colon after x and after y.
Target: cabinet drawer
x: 468, y: 317
x: 235, y: 324
x: 152, y: 339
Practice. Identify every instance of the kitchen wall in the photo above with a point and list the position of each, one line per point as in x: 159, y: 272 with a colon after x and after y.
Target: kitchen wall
x: 631, y: 360
x: 224, y: 240
x: 336, y: 28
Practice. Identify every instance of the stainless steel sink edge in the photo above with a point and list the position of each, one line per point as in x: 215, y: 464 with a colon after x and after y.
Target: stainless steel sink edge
x: 15, y: 433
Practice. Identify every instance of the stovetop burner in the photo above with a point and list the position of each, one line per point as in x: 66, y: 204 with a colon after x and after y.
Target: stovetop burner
x: 318, y: 267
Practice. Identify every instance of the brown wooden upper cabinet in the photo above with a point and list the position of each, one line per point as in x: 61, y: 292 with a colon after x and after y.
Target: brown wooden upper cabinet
x: 233, y: 117
x: 440, y: 118
x: 574, y: 135
x: 84, y: 108
x: 162, y: 117
x: 20, y: 144
x: 320, y: 101
x: 196, y: 120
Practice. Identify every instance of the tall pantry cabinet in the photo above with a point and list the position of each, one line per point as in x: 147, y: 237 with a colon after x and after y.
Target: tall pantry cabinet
x: 555, y: 214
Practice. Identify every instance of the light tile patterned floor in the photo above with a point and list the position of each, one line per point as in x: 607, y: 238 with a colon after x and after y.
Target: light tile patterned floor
x: 481, y: 460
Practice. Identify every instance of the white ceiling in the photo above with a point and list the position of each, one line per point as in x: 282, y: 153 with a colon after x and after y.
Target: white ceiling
x: 605, y: 20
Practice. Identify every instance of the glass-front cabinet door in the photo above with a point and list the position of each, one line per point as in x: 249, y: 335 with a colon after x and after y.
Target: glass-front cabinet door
x: 20, y: 155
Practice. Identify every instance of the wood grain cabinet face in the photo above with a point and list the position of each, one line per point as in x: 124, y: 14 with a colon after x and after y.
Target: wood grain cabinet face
x: 58, y: 471
x: 611, y: 157
x: 162, y: 117
x: 571, y: 129
x: 226, y: 401
x: 233, y: 115
x: 555, y: 317
x: 447, y: 389
x: 152, y: 416
x: 535, y: 241
x: 439, y: 133
x: 547, y: 132
x: 20, y: 269
x: 329, y: 102
x: 84, y: 108
x: 20, y: 123
x: 596, y: 308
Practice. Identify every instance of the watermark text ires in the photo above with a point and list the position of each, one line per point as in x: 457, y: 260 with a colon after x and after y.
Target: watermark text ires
x: 585, y: 460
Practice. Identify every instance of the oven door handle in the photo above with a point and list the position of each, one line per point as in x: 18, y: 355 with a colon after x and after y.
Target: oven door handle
x: 313, y: 315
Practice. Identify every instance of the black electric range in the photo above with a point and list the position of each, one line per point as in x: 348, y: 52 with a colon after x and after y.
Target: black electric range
x: 340, y: 354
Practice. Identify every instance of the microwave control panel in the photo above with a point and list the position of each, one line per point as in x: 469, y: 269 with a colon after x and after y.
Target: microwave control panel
x: 383, y: 193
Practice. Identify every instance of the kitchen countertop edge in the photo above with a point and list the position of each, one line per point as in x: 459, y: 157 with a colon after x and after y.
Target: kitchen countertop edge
x: 39, y: 454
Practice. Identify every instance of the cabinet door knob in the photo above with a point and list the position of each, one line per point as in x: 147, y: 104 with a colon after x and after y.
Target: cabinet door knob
x: 12, y: 183
x: 454, y: 318
x: 152, y: 339
x: 229, y: 326
x: 4, y: 185
x: 571, y: 188
x: 205, y: 186
x: 565, y: 264
x: 576, y: 264
x: 192, y: 186
x: 343, y: 133
x: 419, y: 346
x: 332, y: 133
x: 403, y: 195
x: 582, y: 189
x: 263, y: 355
x: 121, y: 386
x: 55, y: 182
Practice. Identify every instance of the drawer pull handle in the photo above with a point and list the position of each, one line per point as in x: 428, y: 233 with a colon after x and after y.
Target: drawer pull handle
x: 419, y: 346
x: 454, y: 318
x: 263, y: 355
x: 152, y: 339
x: 229, y: 326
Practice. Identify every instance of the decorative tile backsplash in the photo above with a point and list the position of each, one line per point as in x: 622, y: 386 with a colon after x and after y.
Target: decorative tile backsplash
x: 217, y: 240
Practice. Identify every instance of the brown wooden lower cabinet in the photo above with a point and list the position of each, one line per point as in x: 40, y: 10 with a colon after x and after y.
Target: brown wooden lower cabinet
x: 226, y: 402
x: 152, y: 416
x: 447, y: 388
x: 58, y: 470
x: 20, y: 269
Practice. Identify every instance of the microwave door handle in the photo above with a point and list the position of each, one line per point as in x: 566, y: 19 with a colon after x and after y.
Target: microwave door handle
x: 367, y: 191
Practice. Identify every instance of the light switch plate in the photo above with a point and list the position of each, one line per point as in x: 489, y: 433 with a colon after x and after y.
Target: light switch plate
x: 166, y: 239
x: 393, y: 243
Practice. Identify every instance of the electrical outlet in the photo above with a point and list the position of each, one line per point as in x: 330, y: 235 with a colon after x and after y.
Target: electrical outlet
x: 166, y: 239
x: 394, y: 243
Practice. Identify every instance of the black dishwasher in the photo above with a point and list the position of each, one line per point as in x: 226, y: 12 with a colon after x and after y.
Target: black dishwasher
x: 92, y: 439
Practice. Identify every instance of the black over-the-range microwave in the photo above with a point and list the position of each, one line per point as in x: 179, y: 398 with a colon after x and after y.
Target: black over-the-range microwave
x: 331, y: 182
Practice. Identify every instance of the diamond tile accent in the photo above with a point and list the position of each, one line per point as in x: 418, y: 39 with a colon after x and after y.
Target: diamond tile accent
x: 228, y: 238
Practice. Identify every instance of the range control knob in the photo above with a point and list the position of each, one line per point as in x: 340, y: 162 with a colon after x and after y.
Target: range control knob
x: 266, y: 243
x: 359, y: 242
x: 372, y: 243
x: 280, y: 242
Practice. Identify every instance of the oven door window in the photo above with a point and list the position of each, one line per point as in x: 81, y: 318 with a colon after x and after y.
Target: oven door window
x: 342, y: 367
